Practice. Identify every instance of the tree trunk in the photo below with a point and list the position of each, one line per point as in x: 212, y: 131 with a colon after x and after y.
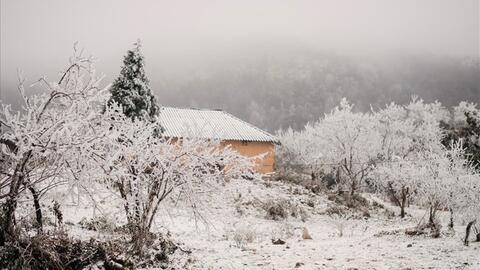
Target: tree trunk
x: 403, y: 202
x: 38, y: 209
x: 402, y: 211
x: 7, y: 220
x: 337, y: 176
x: 6, y: 230
x: 467, y: 231
x: 353, y: 188
x: 450, y: 224
x: 2, y: 232
x: 432, y: 215
x: 139, y: 236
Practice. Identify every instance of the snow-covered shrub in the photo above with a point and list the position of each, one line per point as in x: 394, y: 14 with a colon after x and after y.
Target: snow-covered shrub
x: 244, y: 234
x: 348, y: 226
x: 45, y: 251
x: 340, y: 224
x: 336, y: 210
x: 277, y: 209
x: 356, y: 201
x: 99, y: 223
x: 281, y: 209
x: 283, y: 230
x: 244, y: 206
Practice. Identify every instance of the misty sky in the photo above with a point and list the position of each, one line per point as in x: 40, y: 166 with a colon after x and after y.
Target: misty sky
x: 37, y: 36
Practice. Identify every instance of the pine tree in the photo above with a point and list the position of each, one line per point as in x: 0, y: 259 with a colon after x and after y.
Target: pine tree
x: 131, y: 89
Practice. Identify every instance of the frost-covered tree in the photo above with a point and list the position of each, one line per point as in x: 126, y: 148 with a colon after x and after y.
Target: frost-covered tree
x: 406, y: 133
x: 68, y: 134
x: 131, y: 89
x: 463, y: 181
x: 349, y: 142
x: 343, y: 143
x: 300, y: 152
x: 399, y: 179
x: 468, y: 203
x: 145, y: 169
x: 409, y: 129
x: 437, y: 180
x: 465, y: 127
x: 40, y: 142
x: 441, y: 175
x: 416, y: 167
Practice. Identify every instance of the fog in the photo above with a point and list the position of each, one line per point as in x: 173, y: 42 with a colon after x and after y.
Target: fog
x: 250, y: 56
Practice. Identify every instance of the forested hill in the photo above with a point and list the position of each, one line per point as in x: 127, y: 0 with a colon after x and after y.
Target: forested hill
x: 276, y: 92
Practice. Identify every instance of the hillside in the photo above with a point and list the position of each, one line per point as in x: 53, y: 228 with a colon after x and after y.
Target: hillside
x: 276, y: 89
x: 237, y: 232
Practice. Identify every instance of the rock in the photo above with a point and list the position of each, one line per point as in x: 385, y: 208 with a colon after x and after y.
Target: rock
x: 306, y: 234
x: 298, y: 264
x: 278, y: 242
x: 409, y: 245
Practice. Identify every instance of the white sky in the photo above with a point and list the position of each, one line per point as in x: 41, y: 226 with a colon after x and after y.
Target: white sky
x: 37, y: 35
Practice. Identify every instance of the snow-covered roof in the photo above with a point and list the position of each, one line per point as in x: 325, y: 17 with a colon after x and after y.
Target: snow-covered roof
x: 211, y: 124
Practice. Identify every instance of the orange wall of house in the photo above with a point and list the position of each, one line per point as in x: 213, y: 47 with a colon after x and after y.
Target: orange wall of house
x: 251, y: 149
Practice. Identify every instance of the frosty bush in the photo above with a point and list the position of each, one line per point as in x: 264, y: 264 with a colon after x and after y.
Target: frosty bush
x: 280, y: 209
x: 284, y: 230
x: 244, y: 235
x: 277, y: 209
x: 100, y: 223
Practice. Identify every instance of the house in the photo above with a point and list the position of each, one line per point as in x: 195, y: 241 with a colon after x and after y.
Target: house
x: 245, y: 138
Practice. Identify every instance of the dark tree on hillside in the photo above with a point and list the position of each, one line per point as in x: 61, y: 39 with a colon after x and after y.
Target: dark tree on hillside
x: 469, y: 134
x: 131, y: 89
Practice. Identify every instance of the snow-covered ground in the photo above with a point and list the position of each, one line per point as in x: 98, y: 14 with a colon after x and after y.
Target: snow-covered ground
x: 234, y: 233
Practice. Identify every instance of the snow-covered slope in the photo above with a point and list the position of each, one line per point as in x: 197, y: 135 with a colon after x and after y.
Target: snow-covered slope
x: 234, y: 232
